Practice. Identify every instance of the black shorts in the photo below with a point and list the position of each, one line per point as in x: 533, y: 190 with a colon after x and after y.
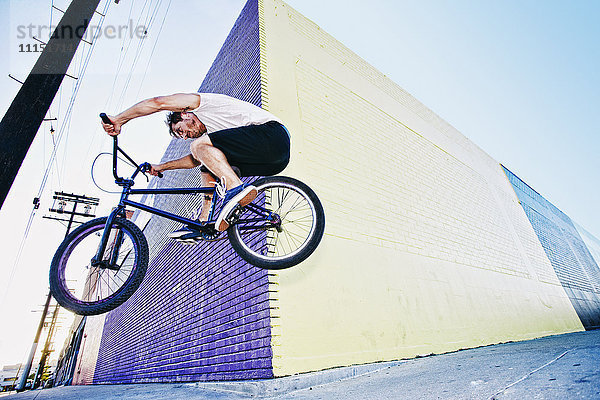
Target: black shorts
x: 257, y: 150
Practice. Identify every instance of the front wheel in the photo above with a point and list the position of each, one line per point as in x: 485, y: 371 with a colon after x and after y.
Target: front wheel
x: 281, y: 227
x: 88, y: 288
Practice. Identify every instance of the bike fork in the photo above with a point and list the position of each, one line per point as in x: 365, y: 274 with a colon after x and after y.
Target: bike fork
x: 97, y: 260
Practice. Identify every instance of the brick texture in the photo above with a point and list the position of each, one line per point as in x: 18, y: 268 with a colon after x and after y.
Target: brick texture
x: 88, y: 351
x: 573, y: 262
x: 436, y: 201
x: 426, y: 248
x: 592, y: 242
x: 201, y: 313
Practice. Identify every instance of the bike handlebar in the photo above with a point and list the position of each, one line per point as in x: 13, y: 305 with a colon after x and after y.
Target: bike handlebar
x: 139, y: 168
x: 105, y: 118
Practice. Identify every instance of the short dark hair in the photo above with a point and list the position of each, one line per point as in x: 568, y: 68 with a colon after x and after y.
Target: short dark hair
x: 172, y: 118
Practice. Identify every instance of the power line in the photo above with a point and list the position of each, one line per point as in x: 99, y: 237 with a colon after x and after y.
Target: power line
x: 138, y: 52
x: 62, y: 200
x: 53, y: 154
x: 148, y: 14
x: 72, y: 100
x: 122, y: 54
x: 153, y: 48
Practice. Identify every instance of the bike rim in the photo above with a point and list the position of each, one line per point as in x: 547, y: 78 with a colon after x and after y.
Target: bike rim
x: 298, y: 223
x: 87, y: 284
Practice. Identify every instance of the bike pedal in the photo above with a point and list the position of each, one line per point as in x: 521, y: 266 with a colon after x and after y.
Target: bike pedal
x: 235, y: 214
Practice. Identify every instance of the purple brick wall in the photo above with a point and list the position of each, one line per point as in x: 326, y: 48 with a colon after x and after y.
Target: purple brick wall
x: 201, y: 313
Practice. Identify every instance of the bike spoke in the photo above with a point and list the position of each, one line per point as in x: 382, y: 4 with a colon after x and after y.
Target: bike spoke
x: 291, y: 225
x: 292, y: 208
x: 99, y: 283
x: 87, y: 284
x: 274, y: 246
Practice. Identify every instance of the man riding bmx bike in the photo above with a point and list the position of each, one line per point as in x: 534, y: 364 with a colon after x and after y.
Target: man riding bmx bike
x: 225, y: 132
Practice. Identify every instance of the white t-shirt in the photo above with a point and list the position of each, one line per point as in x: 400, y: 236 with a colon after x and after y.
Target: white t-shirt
x: 218, y: 112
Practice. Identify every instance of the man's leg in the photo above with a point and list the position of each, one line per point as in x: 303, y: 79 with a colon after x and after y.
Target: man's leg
x: 207, y: 180
x: 214, y: 159
x: 189, y: 235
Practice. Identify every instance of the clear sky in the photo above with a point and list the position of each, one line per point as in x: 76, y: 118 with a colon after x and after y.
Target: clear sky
x: 519, y: 78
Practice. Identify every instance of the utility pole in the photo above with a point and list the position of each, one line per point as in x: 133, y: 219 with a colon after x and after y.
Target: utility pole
x: 46, y: 351
x: 61, y: 201
x: 28, y: 109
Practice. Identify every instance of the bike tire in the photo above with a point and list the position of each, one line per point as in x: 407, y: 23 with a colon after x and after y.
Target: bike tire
x: 261, y: 248
x: 79, y: 247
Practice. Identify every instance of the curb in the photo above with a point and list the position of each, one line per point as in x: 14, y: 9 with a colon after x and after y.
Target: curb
x: 280, y: 386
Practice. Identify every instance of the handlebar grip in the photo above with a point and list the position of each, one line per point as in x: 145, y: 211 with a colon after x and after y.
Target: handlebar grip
x: 105, y: 118
x: 147, y: 166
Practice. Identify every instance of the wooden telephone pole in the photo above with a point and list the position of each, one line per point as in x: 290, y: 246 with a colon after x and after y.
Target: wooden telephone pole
x: 28, y: 109
x: 61, y: 201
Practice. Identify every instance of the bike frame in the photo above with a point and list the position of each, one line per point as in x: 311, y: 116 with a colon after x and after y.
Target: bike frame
x: 127, y: 184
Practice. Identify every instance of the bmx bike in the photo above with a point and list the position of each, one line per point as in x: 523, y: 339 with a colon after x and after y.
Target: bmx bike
x: 101, y: 263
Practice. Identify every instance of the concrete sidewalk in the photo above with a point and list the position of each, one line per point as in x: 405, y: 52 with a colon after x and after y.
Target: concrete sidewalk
x: 556, y: 367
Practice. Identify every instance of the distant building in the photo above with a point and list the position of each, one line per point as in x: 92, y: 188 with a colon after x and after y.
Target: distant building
x: 8, y: 377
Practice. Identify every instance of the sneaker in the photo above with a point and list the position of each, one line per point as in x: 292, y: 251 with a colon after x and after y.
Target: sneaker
x: 241, y: 195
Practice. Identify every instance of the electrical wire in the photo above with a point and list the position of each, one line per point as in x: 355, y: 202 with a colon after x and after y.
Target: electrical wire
x: 122, y: 54
x: 153, y: 48
x: 138, y: 52
x: 148, y: 14
x: 18, y: 257
x: 81, y: 65
x: 69, y: 111
x: 53, y: 155
x: 56, y: 164
x: 148, y: 23
x: 120, y: 63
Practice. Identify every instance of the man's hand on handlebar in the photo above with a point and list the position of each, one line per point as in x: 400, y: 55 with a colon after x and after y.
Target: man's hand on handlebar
x: 113, y: 130
x: 108, y: 124
x: 155, y: 171
x: 152, y: 169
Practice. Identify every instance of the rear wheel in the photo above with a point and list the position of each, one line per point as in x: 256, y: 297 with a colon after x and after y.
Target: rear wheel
x: 281, y: 227
x: 90, y: 289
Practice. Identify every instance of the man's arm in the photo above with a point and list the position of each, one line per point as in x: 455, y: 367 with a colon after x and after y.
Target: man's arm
x: 186, y: 162
x: 174, y: 102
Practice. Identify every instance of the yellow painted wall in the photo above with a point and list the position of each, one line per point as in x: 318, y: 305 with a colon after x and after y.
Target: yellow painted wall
x: 426, y: 249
